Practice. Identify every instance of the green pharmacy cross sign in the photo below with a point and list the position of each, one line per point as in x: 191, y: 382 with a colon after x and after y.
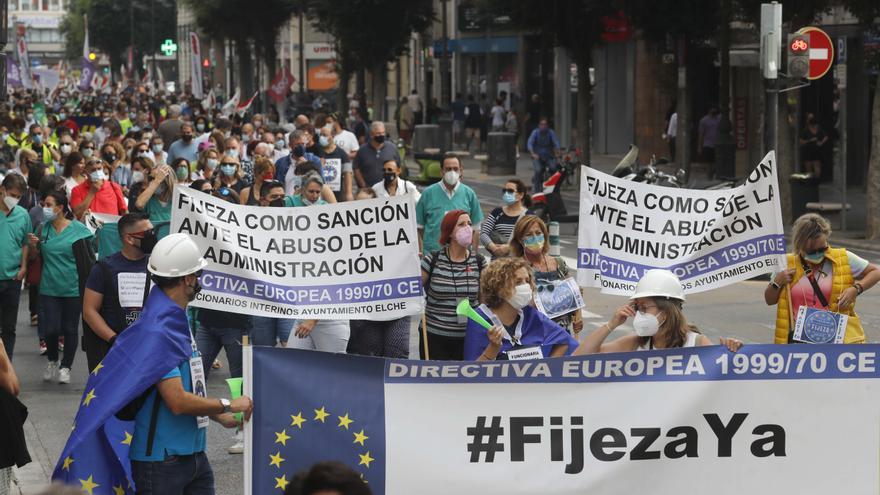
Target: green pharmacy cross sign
x: 169, y: 48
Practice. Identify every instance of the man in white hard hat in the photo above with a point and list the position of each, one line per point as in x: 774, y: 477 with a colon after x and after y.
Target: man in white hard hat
x: 658, y: 320
x: 171, y: 434
x: 154, y: 376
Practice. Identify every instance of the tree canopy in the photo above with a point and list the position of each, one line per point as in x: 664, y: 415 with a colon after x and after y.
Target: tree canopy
x: 110, y: 30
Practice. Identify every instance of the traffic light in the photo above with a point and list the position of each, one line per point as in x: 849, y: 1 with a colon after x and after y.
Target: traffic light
x: 206, y: 63
x: 798, y: 55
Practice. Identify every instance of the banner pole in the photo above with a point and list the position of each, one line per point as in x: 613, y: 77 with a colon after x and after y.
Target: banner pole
x: 425, y: 335
x: 790, y: 314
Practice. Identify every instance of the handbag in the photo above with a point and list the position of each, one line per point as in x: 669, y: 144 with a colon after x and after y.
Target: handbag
x: 35, y: 265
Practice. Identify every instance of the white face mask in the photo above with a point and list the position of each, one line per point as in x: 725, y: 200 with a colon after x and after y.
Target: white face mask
x: 10, y: 202
x: 451, y: 178
x: 521, y: 297
x: 646, y: 324
x: 65, y: 148
x: 137, y: 176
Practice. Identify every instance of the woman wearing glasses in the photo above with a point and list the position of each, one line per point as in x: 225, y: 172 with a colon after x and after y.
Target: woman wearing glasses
x: 529, y: 241
x: 498, y: 225
x: 819, y: 276
x: 658, y: 320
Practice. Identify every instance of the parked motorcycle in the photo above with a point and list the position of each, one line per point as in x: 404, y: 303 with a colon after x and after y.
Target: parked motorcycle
x: 548, y: 204
x: 629, y: 169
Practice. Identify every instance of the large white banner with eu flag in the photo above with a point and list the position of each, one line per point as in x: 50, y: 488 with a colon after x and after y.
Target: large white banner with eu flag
x: 768, y: 419
x: 354, y: 260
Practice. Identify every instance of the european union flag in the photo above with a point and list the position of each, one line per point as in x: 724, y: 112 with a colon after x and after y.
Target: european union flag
x: 95, y: 458
x: 314, y: 406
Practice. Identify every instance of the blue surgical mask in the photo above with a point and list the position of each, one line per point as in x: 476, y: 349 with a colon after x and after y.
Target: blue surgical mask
x: 814, y: 258
x: 228, y: 170
x: 324, y: 141
x: 49, y: 213
x: 38, y: 139
x: 508, y: 198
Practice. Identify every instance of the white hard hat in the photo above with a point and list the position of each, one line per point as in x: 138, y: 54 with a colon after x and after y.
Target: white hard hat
x: 659, y: 283
x: 175, y: 256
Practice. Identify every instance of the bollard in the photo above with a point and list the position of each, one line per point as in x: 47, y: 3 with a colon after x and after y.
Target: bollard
x: 553, y: 227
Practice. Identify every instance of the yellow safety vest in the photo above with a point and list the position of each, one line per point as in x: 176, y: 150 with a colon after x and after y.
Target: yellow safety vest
x: 47, y: 155
x: 841, y: 279
x: 14, y: 141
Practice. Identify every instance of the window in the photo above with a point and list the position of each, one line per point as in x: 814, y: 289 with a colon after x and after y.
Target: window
x: 55, y: 5
x: 13, y: 5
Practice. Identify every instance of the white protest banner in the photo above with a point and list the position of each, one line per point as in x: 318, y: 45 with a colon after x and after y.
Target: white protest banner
x: 355, y: 260
x: 709, y: 239
x: 702, y: 420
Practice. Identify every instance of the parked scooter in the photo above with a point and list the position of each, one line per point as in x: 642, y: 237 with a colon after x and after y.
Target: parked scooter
x: 629, y: 169
x: 548, y: 204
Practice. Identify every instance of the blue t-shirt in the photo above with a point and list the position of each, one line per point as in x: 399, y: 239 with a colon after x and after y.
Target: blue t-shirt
x: 535, y: 330
x: 175, y: 434
x: 179, y: 149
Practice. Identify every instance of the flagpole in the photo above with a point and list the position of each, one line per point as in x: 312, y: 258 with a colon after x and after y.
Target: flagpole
x: 425, y: 335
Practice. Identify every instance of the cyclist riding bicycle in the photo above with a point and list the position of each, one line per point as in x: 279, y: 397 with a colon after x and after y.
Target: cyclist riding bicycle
x: 544, y: 146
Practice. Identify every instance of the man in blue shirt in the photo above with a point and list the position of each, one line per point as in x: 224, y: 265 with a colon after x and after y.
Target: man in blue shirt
x: 543, y: 145
x: 444, y: 196
x: 184, y: 147
x: 15, y: 225
x: 168, y: 444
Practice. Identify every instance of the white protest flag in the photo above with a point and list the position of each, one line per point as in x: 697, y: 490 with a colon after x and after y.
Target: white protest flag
x: 356, y: 260
x: 210, y: 101
x: 230, y: 106
x: 709, y: 239
x: 196, y: 65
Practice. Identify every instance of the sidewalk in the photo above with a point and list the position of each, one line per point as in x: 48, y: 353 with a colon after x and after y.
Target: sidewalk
x: 852, y: 238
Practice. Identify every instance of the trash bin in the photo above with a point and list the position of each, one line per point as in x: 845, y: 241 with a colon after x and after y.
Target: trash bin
x: 502, y: 153
x: 445, y: 124
x: 426, y: 136
x: 804, y: 189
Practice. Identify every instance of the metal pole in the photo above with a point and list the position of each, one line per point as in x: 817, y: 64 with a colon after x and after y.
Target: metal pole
x: 302, y: 56
x: 153, y: 39
x: 841, y: 83
x: 445, y: 90
x: 771, y: 115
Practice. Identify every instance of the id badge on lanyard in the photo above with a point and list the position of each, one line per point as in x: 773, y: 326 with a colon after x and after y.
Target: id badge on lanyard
x: 197, y: 375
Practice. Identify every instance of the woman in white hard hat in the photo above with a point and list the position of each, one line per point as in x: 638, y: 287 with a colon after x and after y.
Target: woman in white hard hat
x: 656, y: 310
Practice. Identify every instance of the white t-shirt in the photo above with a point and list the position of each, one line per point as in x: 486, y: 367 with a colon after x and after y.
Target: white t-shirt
x: 347, y: 141
x: 403, y: 187
x: 497, y: 116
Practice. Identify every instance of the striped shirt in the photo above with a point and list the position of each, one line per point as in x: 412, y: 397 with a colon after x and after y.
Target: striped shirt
x: 498, y: 227
x: 449, y: 282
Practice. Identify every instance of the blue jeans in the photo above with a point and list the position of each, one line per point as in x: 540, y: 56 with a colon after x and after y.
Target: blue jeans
x: 210, y: 340
x: 59, y: 317
x: 538, y: 177
x: 176, y: 475
x: 10, y: 293
x: 269, y: 331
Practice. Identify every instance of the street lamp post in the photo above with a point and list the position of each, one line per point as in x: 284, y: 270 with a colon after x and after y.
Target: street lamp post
x: 724, y: 146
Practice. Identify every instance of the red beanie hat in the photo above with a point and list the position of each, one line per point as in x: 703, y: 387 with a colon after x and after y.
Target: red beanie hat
x: 447, y: 225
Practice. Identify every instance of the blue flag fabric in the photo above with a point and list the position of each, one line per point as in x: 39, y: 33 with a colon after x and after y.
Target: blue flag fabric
x: 96, y: 453
x: 329, y: 407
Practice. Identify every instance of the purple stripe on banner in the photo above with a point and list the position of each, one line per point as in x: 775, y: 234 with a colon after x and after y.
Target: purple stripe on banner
x: 618, y: 269
x: 360, y: 292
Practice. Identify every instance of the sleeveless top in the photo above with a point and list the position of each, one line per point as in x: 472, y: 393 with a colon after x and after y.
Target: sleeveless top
x: 690, y: 341
x: 252, y: 201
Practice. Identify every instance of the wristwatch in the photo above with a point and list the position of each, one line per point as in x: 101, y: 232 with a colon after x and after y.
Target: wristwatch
x: 859, y: 288
x: 775, y: 285
x: 227, y: 406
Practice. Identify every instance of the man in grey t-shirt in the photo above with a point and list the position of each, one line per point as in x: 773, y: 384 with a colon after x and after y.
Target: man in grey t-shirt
x: 372, y: 155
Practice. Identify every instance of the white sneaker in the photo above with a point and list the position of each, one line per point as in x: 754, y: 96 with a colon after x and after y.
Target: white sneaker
x: 238, y: 446
x: 51, y: 370
x: 64, y: 375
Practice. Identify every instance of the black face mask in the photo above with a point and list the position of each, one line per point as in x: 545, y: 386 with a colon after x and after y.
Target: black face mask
x: 299, y: 150
x: 109, y: 157
x: 277, y: 203
x: 187, y: 138
x: 148, y: 241
x: 389, y: 178
x: 379, y: 139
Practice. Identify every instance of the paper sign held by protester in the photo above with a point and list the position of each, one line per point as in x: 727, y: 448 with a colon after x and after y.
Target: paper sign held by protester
x: 709, y: 239
x: 559, y: 297
x: 332, y: 172
x: 355, y: 260
x: 817, y: 326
